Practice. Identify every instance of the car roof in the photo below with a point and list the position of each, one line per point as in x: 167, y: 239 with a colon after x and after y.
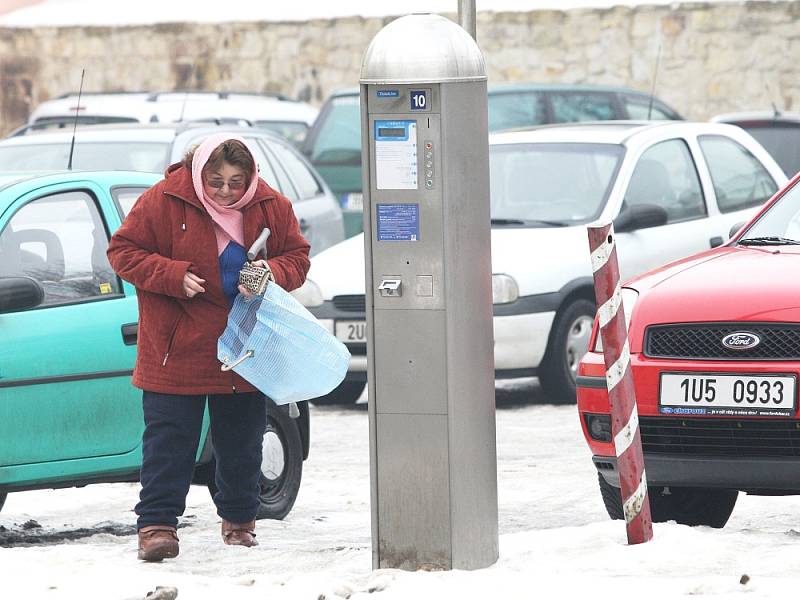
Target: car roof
x: 133, y: 132
x: 755, y: 116
x: 19, y: 183
x: 499, y: 88
x: 168, y: 106
x: 603, y: 132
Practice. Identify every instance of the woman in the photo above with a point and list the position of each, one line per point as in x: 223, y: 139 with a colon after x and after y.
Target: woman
x: 182, y: 246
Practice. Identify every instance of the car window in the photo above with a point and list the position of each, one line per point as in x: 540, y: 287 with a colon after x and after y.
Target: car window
x: 781, y: 219
x: 339, y: 135
x: 265, y: 169
x: 666, y: 175
x: 60, y: 241
x: 507, y: 110
x: 581, y: 106
x: 149, y: 157
x: 640, y: 109
x: 740, y: 180
x: 558, y: 183
x: 294, y: 131
x: 125, y: 197
x: 781, y: 140
x: 307, y: 185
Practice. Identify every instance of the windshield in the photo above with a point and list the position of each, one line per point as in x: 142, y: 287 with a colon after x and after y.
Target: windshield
x: 562, y: 184
x: 339, y: 135
x: 780, y: 221
x: 149, y: 157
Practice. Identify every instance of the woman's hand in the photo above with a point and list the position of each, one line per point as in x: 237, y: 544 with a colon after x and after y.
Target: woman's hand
x: 192, y: 285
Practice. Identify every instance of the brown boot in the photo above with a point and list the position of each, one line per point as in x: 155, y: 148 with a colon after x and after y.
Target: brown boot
x: 157, y: 542
x: 239, y: 534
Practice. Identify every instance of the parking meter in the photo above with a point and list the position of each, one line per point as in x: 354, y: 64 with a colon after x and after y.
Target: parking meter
x: 428, y: 297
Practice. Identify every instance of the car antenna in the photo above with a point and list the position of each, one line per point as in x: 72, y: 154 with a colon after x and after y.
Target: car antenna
x: 775, y: 112
x: 75, y: 123
x: 655, y: 78
x: 186, y: 93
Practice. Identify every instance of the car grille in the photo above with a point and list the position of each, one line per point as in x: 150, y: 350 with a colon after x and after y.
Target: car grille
x: 779, y: 341
x: 739, y: 438
x: 350, y: 303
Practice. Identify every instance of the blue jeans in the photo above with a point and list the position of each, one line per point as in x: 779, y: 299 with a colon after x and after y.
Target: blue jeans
x: 173, y: 425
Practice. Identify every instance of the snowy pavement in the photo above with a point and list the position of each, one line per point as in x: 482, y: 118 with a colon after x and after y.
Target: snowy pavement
x: 555, y: 538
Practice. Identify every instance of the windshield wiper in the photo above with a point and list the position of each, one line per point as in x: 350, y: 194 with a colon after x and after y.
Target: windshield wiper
x: 768, y: 240
x: 528, y: 222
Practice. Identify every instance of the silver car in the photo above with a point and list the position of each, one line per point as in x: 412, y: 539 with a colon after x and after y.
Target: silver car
x: 151, y: 148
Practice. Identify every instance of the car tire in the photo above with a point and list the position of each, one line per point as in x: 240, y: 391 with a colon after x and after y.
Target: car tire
x: 687, y: 506
x: 569, y: 340
x: 2, y: 500
x: 346, y: 393
x: 281, y: 466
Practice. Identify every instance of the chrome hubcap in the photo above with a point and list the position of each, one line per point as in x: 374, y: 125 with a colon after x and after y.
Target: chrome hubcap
x: 273, y: 460
x: 578, y: 342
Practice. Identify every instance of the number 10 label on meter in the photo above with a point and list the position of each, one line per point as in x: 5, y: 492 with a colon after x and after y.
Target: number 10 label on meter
x: 419, y: 99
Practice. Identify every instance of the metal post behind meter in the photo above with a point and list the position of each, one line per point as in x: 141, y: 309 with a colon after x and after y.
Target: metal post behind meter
x: 428, y: 297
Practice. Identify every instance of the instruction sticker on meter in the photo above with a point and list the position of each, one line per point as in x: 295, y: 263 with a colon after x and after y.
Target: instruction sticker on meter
x: 396, y: 155
x: 398, y: 222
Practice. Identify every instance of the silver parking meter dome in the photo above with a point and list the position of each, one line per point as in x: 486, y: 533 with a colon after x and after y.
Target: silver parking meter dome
x: 422, y: 48
x: 430, y: 356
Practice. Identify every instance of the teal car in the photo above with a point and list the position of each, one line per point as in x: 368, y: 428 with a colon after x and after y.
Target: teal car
x: 69, y: 415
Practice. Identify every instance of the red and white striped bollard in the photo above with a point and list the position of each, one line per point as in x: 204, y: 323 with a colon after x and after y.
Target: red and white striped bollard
x: 619, y: 380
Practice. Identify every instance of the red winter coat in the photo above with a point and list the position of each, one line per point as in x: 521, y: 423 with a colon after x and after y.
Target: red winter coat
x: 167, y: 233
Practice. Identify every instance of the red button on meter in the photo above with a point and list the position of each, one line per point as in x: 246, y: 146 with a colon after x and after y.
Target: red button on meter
x: 428, y: 145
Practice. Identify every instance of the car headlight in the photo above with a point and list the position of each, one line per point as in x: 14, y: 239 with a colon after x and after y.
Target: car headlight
x: 308, y: 294
x: 629, y: 298
x: 504, y: 289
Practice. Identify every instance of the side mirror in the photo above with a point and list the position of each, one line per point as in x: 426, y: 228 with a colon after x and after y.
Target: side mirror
x: 735, y: 229
x: 640, y: 216
x: 19, y: 293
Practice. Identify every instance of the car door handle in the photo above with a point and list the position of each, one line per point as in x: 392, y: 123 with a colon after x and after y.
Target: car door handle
x: 130, y: 333
x: 716, y: 241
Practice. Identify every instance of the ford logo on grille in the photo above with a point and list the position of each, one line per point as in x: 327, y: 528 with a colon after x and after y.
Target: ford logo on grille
x: 741, y: 340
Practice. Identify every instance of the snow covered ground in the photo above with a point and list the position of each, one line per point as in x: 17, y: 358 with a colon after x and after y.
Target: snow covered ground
x: 555, y: 538
x: 103, y: 12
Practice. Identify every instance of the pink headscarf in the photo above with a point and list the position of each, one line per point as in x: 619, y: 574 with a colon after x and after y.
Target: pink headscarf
x: 228, y: 223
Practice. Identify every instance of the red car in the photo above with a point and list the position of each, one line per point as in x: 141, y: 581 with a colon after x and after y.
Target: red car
x: 715, y: 355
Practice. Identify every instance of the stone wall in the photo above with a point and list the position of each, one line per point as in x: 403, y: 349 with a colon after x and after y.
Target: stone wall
x: 713, y: 57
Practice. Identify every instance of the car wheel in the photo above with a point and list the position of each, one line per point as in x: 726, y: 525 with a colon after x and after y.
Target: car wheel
x: 569, y: 341
x: 281, y: 465
x: 2, y: 500
x: 346, y: 393
x: 687, y: 506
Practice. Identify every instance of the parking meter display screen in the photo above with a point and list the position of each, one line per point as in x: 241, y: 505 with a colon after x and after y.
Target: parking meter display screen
x: 396, y: 155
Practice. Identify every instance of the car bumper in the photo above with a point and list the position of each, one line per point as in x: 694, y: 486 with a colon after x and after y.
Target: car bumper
x: 757, y: 475
x: 749, y: 453
x: 520, y: 335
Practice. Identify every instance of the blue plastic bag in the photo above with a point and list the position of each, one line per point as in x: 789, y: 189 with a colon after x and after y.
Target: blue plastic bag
x: 278, y: 346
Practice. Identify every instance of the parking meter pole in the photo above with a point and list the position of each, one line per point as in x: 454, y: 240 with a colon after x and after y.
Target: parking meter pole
x: 467, y: 16
x: 427, y: 246
x: 619, y: 380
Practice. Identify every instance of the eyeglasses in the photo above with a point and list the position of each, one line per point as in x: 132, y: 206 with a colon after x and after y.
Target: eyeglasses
x: 218, y: 184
